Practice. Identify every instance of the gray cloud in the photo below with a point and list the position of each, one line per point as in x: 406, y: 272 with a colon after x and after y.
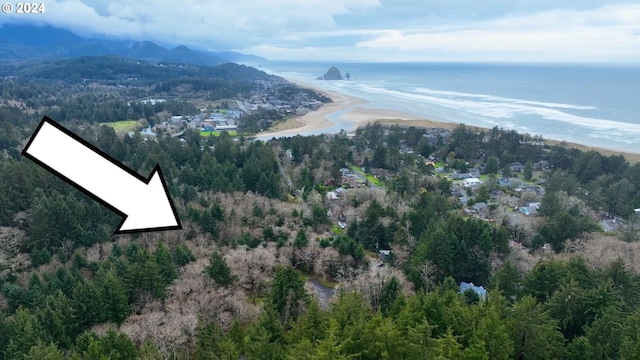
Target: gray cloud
x: 358, y: 29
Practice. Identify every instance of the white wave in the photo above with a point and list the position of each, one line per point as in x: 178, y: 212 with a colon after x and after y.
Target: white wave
x: 502, y: 99
x: 502, y: 110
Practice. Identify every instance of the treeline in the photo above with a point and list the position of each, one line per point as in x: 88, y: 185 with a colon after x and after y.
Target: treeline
x: 214, y: 88
x: 561, y: 310
x: 90, y: 109
x: 54, y: 312
x: 605, y: 183
x: 289, y: 92
x: 259, y: 120
x: 58, y: 213
x: 123, y: 70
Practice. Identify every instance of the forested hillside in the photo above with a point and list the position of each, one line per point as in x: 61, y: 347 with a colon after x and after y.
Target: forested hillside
x: 324, y: 247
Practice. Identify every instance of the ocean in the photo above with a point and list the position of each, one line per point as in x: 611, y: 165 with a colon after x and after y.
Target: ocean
x: 594, y: 105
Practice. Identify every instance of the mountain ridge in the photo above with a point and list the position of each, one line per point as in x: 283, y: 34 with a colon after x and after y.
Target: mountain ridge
x: 27, y: 42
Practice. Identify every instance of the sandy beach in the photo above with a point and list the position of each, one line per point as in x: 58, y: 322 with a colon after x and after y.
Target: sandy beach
x: 359, y: 115
x: 314, y: 120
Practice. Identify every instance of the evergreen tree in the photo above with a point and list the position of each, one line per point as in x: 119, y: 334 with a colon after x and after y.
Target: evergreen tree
x: 87, y: 302
x: 265, y: 338
x: 182, y: 255
x: 288, y: 296
x: 534, y: 334
x: 208, y: 338
x: 390, y: 292
x: 24, y: 332
x: 116, y: 306
x: 492, y: 165
x: 507, y: 279
x: 56, y: 317
x: 42, y: 351
x: 330, y: 348
x: 528, y: 170
x: 168, y: 270
x: 301, y: 239
x: 149, y: 351
x: 219, y: 270
x: 113, y: 346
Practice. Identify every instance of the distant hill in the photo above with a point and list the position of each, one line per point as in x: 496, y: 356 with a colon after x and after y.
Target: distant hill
x: 28, y: 42
x: 121, y: 68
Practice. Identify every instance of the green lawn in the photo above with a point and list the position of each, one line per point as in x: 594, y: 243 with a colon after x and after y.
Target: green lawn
x: 372, y: 179
x: 217, y: 133
x: 356, y: 169
x: 122, y: 125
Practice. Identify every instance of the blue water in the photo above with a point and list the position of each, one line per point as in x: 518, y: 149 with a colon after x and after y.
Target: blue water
x: 596, y: 105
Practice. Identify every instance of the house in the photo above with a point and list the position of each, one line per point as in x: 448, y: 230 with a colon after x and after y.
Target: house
x: 477, y: 289
x: 527, y: 210
x: 516, y: 167
x: 469, y: 182
x: 384, y: 254
x: 460, y: 176
x: 220, y: 127
x: 541, y: 165
x: 331, y: 195
x: 531, y: 209
x: 458, y: 192
x: 176, y: 119
x: 379, y: 173
x: 478, y: 207
x: 637, y: 211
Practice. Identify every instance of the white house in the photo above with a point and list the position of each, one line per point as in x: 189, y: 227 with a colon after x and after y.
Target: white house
x: 226, y: 127
x: 331, y: 195
x: 469, y: 182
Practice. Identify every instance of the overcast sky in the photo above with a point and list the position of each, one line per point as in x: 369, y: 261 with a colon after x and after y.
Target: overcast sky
x: 368, y: 30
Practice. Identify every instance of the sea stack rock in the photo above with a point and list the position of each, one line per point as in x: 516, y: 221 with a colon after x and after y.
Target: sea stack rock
x: 332, y: 74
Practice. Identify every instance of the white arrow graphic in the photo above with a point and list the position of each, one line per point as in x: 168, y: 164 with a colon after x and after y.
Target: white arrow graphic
x: 145, y: 204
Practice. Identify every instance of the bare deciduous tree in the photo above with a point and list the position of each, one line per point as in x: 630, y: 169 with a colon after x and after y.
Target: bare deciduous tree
x: 253, y: 268
x: 371, y: 283
x: 428, y: 275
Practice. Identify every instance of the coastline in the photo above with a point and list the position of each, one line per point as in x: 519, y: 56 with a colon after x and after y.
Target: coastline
x: 313, y: 121
x: 351, y: 110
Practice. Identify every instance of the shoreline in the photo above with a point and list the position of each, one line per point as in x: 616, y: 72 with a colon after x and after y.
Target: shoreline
x: 316, y: 120
x: 349, y: 109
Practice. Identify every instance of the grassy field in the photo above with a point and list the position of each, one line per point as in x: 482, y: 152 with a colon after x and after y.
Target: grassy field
x: 289, y: 122
x: 372, y: 179
x: 122, y: 125
x: 217, y: 133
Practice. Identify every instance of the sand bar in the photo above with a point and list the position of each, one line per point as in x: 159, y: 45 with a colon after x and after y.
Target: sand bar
x: 314, y: 120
